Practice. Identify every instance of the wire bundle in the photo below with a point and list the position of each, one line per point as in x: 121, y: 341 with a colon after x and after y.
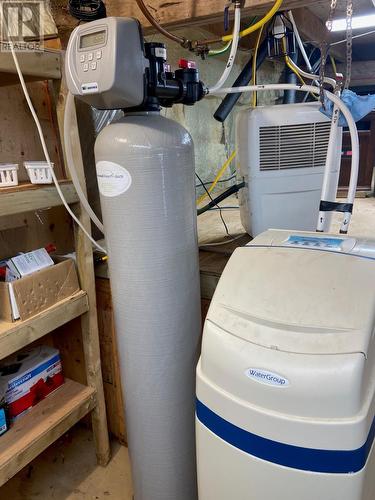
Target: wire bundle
x: 87, y: 10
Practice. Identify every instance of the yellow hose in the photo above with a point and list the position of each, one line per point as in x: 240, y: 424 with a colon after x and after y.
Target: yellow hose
x: 218, y: 177
x: 255, y: 56
x: 259, y: 24
x: 333, y: 62
x: 292, y: 68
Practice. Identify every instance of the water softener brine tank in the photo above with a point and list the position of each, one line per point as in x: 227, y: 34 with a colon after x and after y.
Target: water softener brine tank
x: 145, y: 169
x: 286, y: 380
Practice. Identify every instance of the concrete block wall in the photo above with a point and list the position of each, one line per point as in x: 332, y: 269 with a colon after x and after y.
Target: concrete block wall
x: 212, y: 143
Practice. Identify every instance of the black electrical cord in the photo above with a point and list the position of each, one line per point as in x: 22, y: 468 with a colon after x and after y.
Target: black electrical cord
x: 214, y: 204
x: 211, y: 182
x: 87, y: 10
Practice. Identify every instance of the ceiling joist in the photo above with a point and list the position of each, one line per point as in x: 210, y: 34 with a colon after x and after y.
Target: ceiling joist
x: 175, y: 13
x: 363, y: 73
x: 312, y: 29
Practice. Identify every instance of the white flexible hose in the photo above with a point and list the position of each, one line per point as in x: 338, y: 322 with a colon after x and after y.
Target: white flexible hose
x: 302, y: 49
x: 45, y: 150
x: 330, y: 81
x: 233, y: 51
x: 327, y: 178
x: 299, y: 41
x: 345, y: 111
x: 69, y: 109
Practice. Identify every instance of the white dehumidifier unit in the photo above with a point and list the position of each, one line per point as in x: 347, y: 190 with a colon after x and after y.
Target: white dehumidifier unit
x: 286, y: 380
x: 282, y: 158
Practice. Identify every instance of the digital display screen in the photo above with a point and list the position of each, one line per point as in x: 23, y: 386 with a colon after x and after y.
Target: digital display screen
x: 92, y: 39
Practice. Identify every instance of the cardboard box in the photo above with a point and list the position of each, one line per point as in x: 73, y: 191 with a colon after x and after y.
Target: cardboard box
x: 38, y: 291
x: 29, y: 376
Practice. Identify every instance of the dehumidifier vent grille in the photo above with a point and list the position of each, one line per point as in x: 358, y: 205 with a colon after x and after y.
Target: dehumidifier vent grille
x: 294, y: 146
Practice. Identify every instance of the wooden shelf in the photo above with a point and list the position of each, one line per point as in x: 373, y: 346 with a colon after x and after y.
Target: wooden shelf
x: 15, y: 336
x: 41, y: 65
x: 28, y: 197
x: 54, y: 416
x: 44, y: 423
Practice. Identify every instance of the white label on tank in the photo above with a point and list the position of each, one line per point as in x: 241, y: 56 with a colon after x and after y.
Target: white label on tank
x: 90, y: 88
x: 113, y: 179
x: 267, y: 377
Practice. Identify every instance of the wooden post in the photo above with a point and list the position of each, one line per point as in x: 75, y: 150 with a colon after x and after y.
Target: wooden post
x: 89, y: 321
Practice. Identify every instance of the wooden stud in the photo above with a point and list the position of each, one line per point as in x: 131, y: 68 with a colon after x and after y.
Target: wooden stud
x: 34, y: 65
x: 89, y: 321
x: 110, y: 361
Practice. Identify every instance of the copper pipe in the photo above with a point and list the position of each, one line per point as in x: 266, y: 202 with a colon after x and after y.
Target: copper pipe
x: 207, y: 42
x: 182, y: 41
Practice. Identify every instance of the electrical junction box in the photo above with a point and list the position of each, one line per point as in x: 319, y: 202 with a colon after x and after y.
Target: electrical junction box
x: 282, y: 154
x: 105, y: 63
x: 286, y: 378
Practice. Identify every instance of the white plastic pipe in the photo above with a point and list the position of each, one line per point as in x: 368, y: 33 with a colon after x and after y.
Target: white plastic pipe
x: 327, y: 178
x: 45, y: 150
x: 68, y: 113
x: 299, y: 41
x: 345, y: 111
x: 329, y: 81
x: 233, y: 51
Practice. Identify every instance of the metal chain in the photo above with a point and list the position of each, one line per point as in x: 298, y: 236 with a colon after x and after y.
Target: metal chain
x: 349, y: 42
x: 331, y: 15
x: 324, y: 49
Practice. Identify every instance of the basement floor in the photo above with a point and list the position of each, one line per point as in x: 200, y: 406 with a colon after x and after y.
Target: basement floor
x: 67, y: 470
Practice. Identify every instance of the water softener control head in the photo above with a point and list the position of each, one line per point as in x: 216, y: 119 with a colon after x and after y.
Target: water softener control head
x: 109, y: 66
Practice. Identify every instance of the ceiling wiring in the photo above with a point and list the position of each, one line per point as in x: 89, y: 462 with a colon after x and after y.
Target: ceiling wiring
x: 355, y: 36
x: 219, y: 182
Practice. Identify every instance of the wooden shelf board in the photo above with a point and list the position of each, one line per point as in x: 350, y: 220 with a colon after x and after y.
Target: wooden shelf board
x: 36, y: 65
x: 15, y: 336
x: 44, y: 423
x: 27, y: 197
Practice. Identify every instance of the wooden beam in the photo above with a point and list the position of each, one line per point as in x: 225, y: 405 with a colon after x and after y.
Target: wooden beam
x: 42, y: 65
x: 363, y: 73
x: 29, y: 197
x: 312, y: 29
x: 89, y: 321
x: 175, y: 13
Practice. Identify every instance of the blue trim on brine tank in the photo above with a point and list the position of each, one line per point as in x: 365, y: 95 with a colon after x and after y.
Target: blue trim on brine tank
x: 295, y: 457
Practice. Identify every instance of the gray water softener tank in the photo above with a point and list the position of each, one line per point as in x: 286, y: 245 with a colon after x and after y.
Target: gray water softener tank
x: 145, y: 168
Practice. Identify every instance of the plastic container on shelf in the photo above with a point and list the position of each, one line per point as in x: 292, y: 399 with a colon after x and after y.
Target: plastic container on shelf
x: 8, y: 174
x: 39, y: 172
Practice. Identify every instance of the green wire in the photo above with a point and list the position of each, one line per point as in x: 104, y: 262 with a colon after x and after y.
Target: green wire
x: 218, y: 52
